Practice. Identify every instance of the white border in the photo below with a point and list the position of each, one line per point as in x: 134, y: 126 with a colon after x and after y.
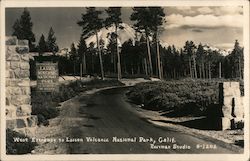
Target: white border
x: 128, y: 3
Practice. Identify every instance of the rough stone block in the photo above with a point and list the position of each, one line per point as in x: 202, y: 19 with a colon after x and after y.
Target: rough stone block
x: 17, y: 72
x: 7, y: 65
x: 23, y: 110
x: 13, y: 91
x: 12, y: 82
x: 11, y: 124
x: 239, y: 107
x: 227, y: 111
x: 7, y: 74
x: 11, y: 74
x: 7, y: 102
x: 25, y: 90
x: 21, y: 131
x: 20, y: 123
x: 22, y: 49
x: 23, y: 42
x: 25, y: 57
x: 11, y: 40
x: 10, y: 111
x: 30, y: 131
x: 24, y: 83
x: 32, y: 121
x: 24, y: 74
x: 14, y: 64
x: 18, y: 100
x: 226, y: 123
x: 25, y: 65
x: 11, y: 54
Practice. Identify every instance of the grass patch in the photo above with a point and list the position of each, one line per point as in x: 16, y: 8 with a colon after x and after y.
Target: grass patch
x: 178, y: 97
x: 18, y: 147
x: 44, y: 104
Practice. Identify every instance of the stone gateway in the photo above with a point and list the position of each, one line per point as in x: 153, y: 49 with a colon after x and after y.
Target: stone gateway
x: 18, y: 92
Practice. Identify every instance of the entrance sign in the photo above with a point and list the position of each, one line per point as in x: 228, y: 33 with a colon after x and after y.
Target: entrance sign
x: 47, y: 76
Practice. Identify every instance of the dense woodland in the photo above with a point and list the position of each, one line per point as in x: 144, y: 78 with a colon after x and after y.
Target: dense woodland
x: 145, y: 57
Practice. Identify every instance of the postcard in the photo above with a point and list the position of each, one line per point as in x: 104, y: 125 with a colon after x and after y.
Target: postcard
x: 124, y: 80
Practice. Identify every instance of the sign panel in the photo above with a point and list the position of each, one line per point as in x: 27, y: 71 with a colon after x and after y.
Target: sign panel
x: 47, y: 76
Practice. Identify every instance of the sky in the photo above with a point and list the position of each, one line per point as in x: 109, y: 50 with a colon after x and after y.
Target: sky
x: 217, y: 26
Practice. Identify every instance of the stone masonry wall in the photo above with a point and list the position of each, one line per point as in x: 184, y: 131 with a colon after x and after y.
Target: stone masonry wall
x: 18, y: 99
x: 231, y: 103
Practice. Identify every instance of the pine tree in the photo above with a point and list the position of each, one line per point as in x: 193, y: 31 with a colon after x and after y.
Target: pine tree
x: 114, y: 18
x: 91, y: 24
x: 22, y: 29
x: 201, y: 57
x: 157, y: 19
x: 82, y: 49
x: 41, y: 45
x: 51, y: 42
x: 142, y: 15
x: 73, y: 57
x: 189, y: 48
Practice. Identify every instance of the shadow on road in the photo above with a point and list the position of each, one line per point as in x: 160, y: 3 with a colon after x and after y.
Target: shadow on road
x: 200, y: 124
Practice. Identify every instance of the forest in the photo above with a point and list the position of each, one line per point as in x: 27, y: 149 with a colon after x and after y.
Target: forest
x: 142, y: 57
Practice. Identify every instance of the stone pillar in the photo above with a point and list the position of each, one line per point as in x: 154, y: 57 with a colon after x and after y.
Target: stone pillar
x: 231, y: 102
x: 18, y: 92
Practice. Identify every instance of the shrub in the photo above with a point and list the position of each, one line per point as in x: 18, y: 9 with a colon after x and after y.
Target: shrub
x: 44, y: 104
x: 185, y: 96
x: 18, y: 147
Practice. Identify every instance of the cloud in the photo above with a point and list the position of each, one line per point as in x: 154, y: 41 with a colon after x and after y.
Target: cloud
x: 222, y: 10
x: 225, y: 45
x: 197, y: 30
x: 183, y: 7
x: 205, y: 10
x: 186, y: 9
x: 229, y: 10
x: 204, y: 21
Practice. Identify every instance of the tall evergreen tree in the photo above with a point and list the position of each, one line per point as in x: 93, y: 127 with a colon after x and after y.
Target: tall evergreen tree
x: 201, y: 57
x: 41, y: 45
x: 114, y: 18
x: 22, y: 29
x: 142, y: 15
x: 157, y: 19
x: 91, y: 24
x: 189, y: 48
x: 51, y: 42
x: 73, y: 57
x: 81, y: 50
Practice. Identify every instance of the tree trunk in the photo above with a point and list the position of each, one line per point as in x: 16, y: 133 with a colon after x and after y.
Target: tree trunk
x: 203, y: 70
x: 200, y: 71
x: 240, y: 69
x: 146, y: 67
x: 84, y: 68
x: 158, y: 56
x: 100, y: 55
x: 220, y: 70
x: 119, y: 73
x: 161, y: 70
x: 92, y: 64
x: 190, y: 67
x: 80, y: 71
x: 209, y: 70
x: 195, y: 70
x: 149, y: 57
x: 74, y: 68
